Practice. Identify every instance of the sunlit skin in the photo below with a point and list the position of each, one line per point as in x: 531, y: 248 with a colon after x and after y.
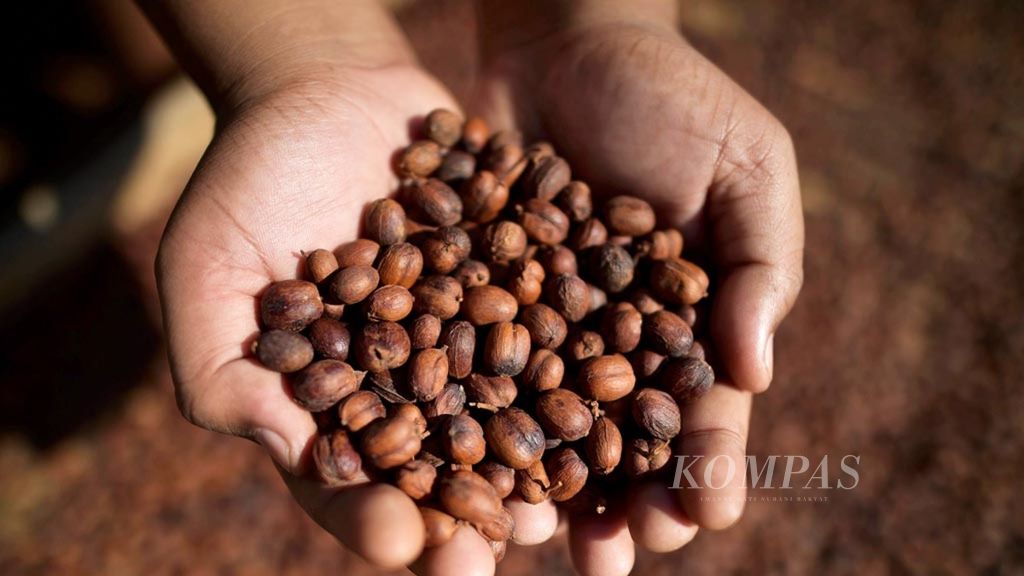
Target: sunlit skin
x: 631, y: 106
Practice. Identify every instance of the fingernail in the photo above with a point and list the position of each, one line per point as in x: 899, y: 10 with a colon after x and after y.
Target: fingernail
x: 768, y: 356
x: 276, y: 446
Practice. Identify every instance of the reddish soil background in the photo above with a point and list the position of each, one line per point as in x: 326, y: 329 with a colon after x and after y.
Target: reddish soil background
x: 906, y: 346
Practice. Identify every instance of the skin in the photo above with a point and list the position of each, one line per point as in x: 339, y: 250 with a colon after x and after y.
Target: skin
x: 313, y: 99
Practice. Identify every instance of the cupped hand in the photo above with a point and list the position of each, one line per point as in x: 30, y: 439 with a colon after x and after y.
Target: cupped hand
x: 635, y: 109
x: 289, y: 171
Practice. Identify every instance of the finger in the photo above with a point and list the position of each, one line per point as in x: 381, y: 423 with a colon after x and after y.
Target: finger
x: 376, y: 521
x: 656, y: 519
x: 466, y: 554
x: 710, y: 468
x: 601, y: 545
x: 245, y: 399
x: 535, y: 523
x: 757, y: 231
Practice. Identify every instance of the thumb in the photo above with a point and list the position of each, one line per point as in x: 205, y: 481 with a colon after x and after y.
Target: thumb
x: 757, y: 231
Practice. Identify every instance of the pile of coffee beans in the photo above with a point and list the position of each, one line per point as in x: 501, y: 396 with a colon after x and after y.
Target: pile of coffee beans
x: 493, y: 332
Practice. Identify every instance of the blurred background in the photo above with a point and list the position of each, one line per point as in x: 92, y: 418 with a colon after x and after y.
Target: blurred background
x: 906, y: 346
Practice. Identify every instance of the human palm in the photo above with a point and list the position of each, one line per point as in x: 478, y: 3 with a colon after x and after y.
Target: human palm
x: 287, y: 172
x: 636, y: 110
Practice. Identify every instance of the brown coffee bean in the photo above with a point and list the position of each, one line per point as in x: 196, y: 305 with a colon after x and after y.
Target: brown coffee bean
x: 544, y: 370
x: 667, y: 333
x: 457, y: 167
x: 413, y: 414
x: 445, y: 249
x: 333, y: 311
x: 527, y: 281
x: 645, y: 302
x: 283, y: 351
x: 483, y: 197
x: 360, y: 408
x: 462, y: 439
x: 323, y: 383
x: 468, y: 496
x: 420, y: 159
x: 472, y: 273
x: 622, y: 325
x: 656, y: 413
x: 336, y: 459
x: 425, y: 331
x: 697, y: 351
x: 515, y: 438
x: 661, y: 245
x: 506, y: 162
x: 563, y: 414
x: 611, y: 267
x: 588, y: 234
x: 569, y: 295
x: 416, y: 478
x: 604, y: 446
x: 428, y: 373
x: 532, y: 483
x: 686, y: 379
x: 567, y: 473
x: 506, y: 349
x: 290, y: 305
x: 547, y: 177
x: 598, y: 298
x: 320, y: 264
x: 490, y: 392
x: 361, y: 252
x: 384, y: 222
x: 645, y: 362
x: 584, y: 344
x: 391, y: 303
x: 498, y: 475
x: 498, y: 531
x: 450, y: 401
x: 539, y: 150
x: 575, y: 201
x: 488, y: 304
x: 504, y: 138
x: 606, y: 378
x: 353, y: 284
x: 390, y: 442
x: 330, y: 338
x: 440, y: 296
x: 459, y: 339
x: 400, y: 264
x: 434, y: 202
x: 688, y: 313
x: 629, y: 216
x: 557, y: 260
x: 543, y: 221
x: 546, y: 326
x: 645, y: 456
x: 382, y: 346
x: 474, y: 134
x: 504, y: 241
x: 443, y: 126
x: 677, y: 281
x: 440, y: 527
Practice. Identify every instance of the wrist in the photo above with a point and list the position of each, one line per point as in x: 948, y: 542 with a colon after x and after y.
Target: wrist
x: 509, y: 27
x: 240, y: 51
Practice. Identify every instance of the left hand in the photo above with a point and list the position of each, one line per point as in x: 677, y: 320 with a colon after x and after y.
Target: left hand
x: 635, y: 109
